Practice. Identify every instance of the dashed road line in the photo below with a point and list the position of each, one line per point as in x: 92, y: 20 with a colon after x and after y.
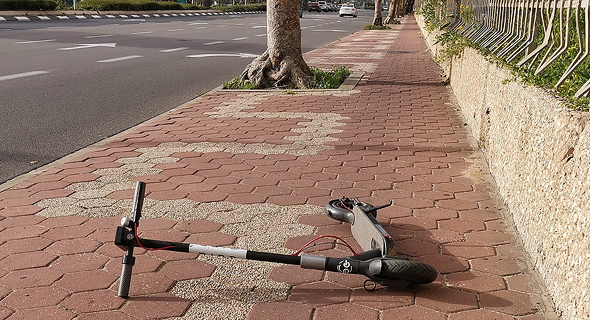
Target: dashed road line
x: 35, y: 41
x: 22, y: 75
x: 240, y: 39
x: 99, y: 36
x: 212, y: 43
x: 143, y: 32
x: 174, y: 49
x: 120, y: 59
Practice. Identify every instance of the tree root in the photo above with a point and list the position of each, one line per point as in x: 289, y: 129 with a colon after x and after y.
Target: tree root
x: 277, y: 71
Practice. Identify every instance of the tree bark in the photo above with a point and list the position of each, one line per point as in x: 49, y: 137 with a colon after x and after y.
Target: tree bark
x: 396, y: 9
x: 378, y: 17
x: 282, y: 64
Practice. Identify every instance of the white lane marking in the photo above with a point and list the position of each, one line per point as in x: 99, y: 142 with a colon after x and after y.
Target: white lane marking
x: 63, y: 17
x: 221, y: 26
x: 44, y: 18
x: 257, y: 27
x: 110, y: 16
x: 120, y: 58
x: 22, y: 75
x: 239, y: 55
x: 143, y: 32
x: 133, y: 20
x: 239, y: 39
x: 22, y: 19
x: 35, y: 41
x: 212, y: 43
x: 261, y: 35
x: 60, y: 27
x: 99, y: 36
x: 174, y: 49
x: 90, y: 45
x: 174, y: 30
x: 196, y: 23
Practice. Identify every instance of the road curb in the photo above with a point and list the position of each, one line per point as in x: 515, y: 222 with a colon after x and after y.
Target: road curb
x: 6, y: 16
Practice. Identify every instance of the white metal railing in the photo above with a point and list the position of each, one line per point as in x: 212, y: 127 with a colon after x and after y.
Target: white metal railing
x: 511, y: 29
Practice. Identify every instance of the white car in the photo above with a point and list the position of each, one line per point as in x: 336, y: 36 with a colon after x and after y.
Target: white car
x: 323, y: 5
x: 347, y: 10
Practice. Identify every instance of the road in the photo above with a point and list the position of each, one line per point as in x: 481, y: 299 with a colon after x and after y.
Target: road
x: 67, y: 84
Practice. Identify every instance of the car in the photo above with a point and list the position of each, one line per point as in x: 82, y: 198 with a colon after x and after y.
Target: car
x: 323, y: 5
x: 314, y: 6
x: 348, y: 10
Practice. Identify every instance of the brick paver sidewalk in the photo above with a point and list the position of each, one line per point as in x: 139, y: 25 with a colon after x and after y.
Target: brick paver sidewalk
x: 253, y: 170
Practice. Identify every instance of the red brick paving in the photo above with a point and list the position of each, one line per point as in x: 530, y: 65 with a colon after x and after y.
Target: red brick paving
x: 401, y: 141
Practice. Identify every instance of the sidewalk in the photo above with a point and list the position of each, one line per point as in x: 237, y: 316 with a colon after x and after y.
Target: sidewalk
x: 253, y: 170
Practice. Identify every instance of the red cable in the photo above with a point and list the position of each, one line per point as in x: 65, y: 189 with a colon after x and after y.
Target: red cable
x: 149, y: 249
x: 320, y: 237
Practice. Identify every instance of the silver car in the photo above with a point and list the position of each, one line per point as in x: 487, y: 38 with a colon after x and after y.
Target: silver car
x: 348, y: 10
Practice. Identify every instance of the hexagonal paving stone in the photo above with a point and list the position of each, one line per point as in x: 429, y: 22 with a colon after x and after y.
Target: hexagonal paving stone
x: 319, y: 294
x: 382, y: 298
x: 93, y: 301
x: 479, y: 314
x: 79, y: 262
x: 446, y: 300
x: 475, y: 281
x: 26, y: 260
x: 73, y: 246
x: 143, y: 264
x: 508, y: 302
x: 187, y: 269
x: 25, y: 245
x: 87, y: 280
x: 502, y: 266
x: 43, y: 313
x: 156, y: 306
x: 412, y: 312
x: 149, y: 283
x: 295, y: 275
x: 199, y: 226
x: 27, y: 278
x: 352, y: 311
x: 445, y: 263
x: 35, y: 297
x: 280, y: 310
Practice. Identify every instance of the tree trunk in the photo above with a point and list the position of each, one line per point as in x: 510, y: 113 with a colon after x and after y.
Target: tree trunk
x: 282, y: 64
x: 378, y: 17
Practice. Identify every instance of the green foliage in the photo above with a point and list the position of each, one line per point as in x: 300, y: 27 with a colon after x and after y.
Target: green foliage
x: 322, y: 80
x: 453, y: 45
x: 33, y: 5
x: 128, y: 5
x: 238, y: 84
x: 329, y: 79
x: 370, y: 26
x: 240, y: 8
x: 430, y: 10
x: 188, y: 6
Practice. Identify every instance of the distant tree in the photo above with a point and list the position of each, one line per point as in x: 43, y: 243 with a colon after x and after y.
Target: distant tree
x: 282, y: 64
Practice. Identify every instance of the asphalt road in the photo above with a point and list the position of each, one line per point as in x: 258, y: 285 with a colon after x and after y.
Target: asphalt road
x: 67, y: 84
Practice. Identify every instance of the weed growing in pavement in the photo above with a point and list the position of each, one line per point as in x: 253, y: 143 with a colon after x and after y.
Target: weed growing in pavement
x: 322, y: 80
x: 370, y: 26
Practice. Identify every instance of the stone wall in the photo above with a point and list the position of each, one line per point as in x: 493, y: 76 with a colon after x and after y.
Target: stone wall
x: 538, y: 152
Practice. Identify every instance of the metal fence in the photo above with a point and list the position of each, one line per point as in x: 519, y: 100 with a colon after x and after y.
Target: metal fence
x: 531, y: 33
